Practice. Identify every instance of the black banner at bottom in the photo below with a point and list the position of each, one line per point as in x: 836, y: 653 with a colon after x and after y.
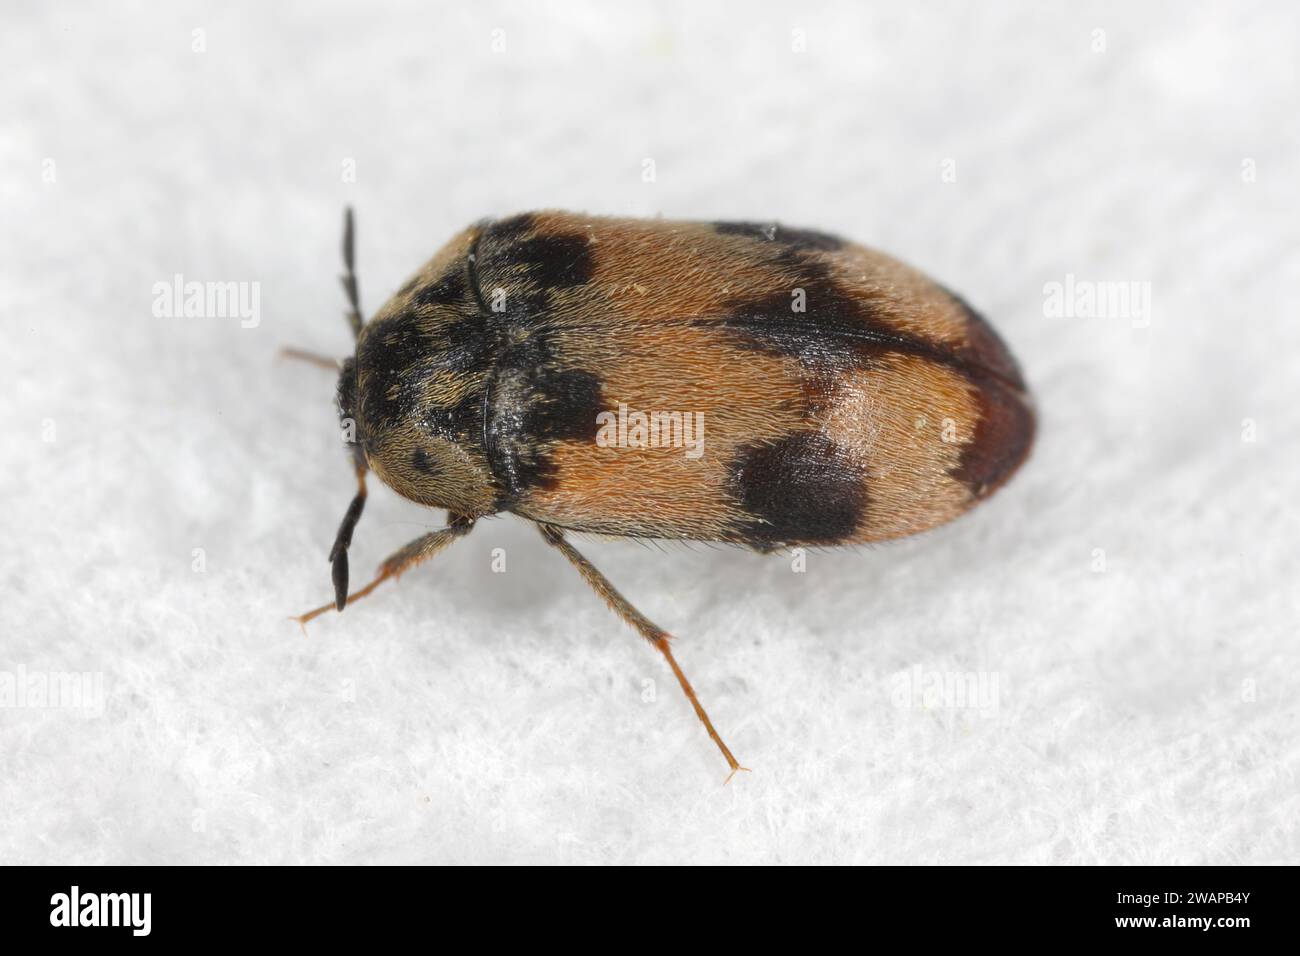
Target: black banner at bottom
x: 333, y: 906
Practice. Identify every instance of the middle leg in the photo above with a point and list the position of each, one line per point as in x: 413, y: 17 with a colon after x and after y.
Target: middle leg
x: 658, y: 637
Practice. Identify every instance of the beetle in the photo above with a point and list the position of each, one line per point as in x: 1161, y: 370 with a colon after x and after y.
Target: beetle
x: 839, y: 396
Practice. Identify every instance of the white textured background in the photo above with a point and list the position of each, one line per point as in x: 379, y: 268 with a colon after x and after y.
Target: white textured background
x: 1146, y: 713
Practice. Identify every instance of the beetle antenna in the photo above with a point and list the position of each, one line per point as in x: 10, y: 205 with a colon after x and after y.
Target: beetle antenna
x: 349, y: 277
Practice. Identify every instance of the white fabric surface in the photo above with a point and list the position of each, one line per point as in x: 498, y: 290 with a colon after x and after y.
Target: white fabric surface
x: 1144, y: 714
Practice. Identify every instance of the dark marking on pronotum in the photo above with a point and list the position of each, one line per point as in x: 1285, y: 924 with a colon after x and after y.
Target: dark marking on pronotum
x: 801, y: 488
x: 427, y: 368
x: 420, y: 461
x: 396, y: 355
x: 448, y: 289
x: 468, y: 345
x: 459, y: 419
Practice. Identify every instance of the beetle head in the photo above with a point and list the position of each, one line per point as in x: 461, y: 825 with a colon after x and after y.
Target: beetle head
x: 416, y: 392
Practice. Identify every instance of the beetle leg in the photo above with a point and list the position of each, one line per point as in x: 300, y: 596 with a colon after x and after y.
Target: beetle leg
x: 398, y: 563
x: 658, y: 637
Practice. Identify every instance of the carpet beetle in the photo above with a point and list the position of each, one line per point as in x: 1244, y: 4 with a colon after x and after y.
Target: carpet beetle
x: 753, y: 384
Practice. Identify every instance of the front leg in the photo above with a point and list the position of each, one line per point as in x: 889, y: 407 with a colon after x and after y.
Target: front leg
x: 396, y: 564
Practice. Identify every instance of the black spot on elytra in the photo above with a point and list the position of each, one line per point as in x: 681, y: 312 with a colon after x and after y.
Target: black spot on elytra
x: 534, y: 405
x: 532, y: 264
x: 838, y: 329
x: 782, y: 235
x: 1003, y: 435
x: 804, y: 489
x: 555, y: 261
x: 567, y: 406
x: 833, y: 329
